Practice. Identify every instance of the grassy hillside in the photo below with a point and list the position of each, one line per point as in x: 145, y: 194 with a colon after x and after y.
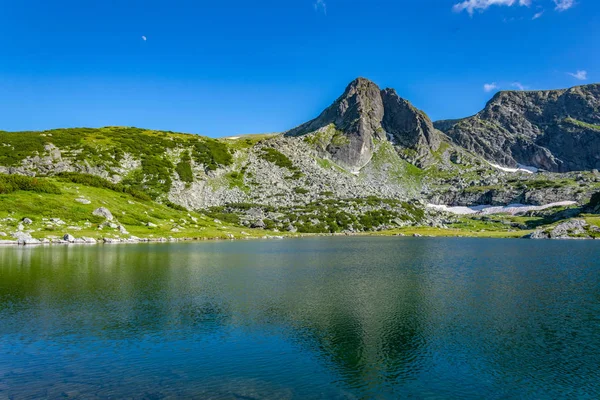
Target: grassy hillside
x: 57, y: 206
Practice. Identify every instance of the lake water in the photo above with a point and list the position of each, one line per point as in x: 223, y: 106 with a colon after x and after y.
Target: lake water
x: 327, y: 318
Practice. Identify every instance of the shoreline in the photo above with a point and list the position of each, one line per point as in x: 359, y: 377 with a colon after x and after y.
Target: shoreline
x: 114, y: 241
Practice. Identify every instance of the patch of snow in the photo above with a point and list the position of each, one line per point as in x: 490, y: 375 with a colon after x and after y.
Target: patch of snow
x: 232, y: 138
x: 488, y: 209
x: 520, y: 168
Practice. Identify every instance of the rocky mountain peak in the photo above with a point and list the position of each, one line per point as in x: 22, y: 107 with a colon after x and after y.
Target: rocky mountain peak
x: 364, y: 114
x: 409, y: 127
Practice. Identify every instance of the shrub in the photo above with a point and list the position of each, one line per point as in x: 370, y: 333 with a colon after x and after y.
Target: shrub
x: 184, y: 168
x: 212, y: 154
x: 174, y: 206
x: 13, y: 183
x: 273, y: 156
x: 300, y: 190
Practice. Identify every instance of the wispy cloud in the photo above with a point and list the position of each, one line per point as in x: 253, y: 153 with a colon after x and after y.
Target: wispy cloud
x: 519, y: 86
x: 321, y: 6
x: 488, y: 87
x: 471, y: 6
x: 481, y: 5
x: 563, y: 5
x: 580, y: 75
x: 538, y: 14
x: 144, y: 38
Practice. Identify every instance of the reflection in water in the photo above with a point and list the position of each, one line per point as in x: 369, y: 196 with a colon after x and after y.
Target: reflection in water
x: 326, y: 318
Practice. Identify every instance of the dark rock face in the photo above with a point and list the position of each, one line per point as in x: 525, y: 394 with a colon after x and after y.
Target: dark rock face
x: 357, y: 113
x: 365, y: 113
x: 556, y: 130
x: 409, y: 127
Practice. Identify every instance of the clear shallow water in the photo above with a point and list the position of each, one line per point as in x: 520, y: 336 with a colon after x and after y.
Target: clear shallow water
x: 300, y: 319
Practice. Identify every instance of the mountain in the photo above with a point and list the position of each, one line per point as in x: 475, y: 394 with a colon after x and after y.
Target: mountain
x: 365, y: 114
x: 369, y: 162
x: 554, y: 130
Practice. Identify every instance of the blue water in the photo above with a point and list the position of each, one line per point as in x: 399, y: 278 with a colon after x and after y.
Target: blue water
x: 326, y: 318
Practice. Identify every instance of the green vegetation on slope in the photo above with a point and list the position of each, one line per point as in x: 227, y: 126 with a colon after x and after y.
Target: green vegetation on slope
x: 281, y: 160
x: 107, y: 147
x: 43, y: 199
x: 14, y: 183
x: 582, y: 124
x: 184, y: 168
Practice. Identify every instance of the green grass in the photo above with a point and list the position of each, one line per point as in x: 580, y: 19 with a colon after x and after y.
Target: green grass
x: 130, y: 211
x: 329, y: 136
x: 439, y: 232
x: 236, y: 180
x: 98, y: 182
x: 582, y: 124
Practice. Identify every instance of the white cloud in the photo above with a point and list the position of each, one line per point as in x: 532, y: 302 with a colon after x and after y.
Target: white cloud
x: 581, y: 75
x: 144, y: 38
x: 472, y: 5
x: 538, y: 15
x: 519, y: 86
x: 563, y: 5
x: 488, y: 87
x: 320, y: 5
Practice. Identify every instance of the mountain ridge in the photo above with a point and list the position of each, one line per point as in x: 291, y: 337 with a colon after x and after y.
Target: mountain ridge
x: 369, y: 161
x: 548, y: 129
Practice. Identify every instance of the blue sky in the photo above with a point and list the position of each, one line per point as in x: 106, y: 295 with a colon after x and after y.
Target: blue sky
x: 233, y: 66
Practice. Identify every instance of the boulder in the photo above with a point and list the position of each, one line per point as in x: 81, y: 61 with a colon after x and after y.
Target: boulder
x: 260, y: 224
x: 24, y: 238
x: 571, y: 229
x: 27, y: 221
x: 291, y: 228
x: 83, y: 201
x: 103, y: 212
x: 122, y: 230
x: 68, y: 238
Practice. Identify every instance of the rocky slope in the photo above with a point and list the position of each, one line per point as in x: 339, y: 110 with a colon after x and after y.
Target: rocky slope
x: 555, y: 130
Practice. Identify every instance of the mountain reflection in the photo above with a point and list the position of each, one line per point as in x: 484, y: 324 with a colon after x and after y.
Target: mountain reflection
x: 375, y: 314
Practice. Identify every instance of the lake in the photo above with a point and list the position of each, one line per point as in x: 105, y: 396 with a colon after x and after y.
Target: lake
x: 323, y: 318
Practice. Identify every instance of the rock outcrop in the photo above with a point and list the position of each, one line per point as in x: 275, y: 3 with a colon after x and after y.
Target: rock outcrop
x: 571, y: 229
x: 555, y: 130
